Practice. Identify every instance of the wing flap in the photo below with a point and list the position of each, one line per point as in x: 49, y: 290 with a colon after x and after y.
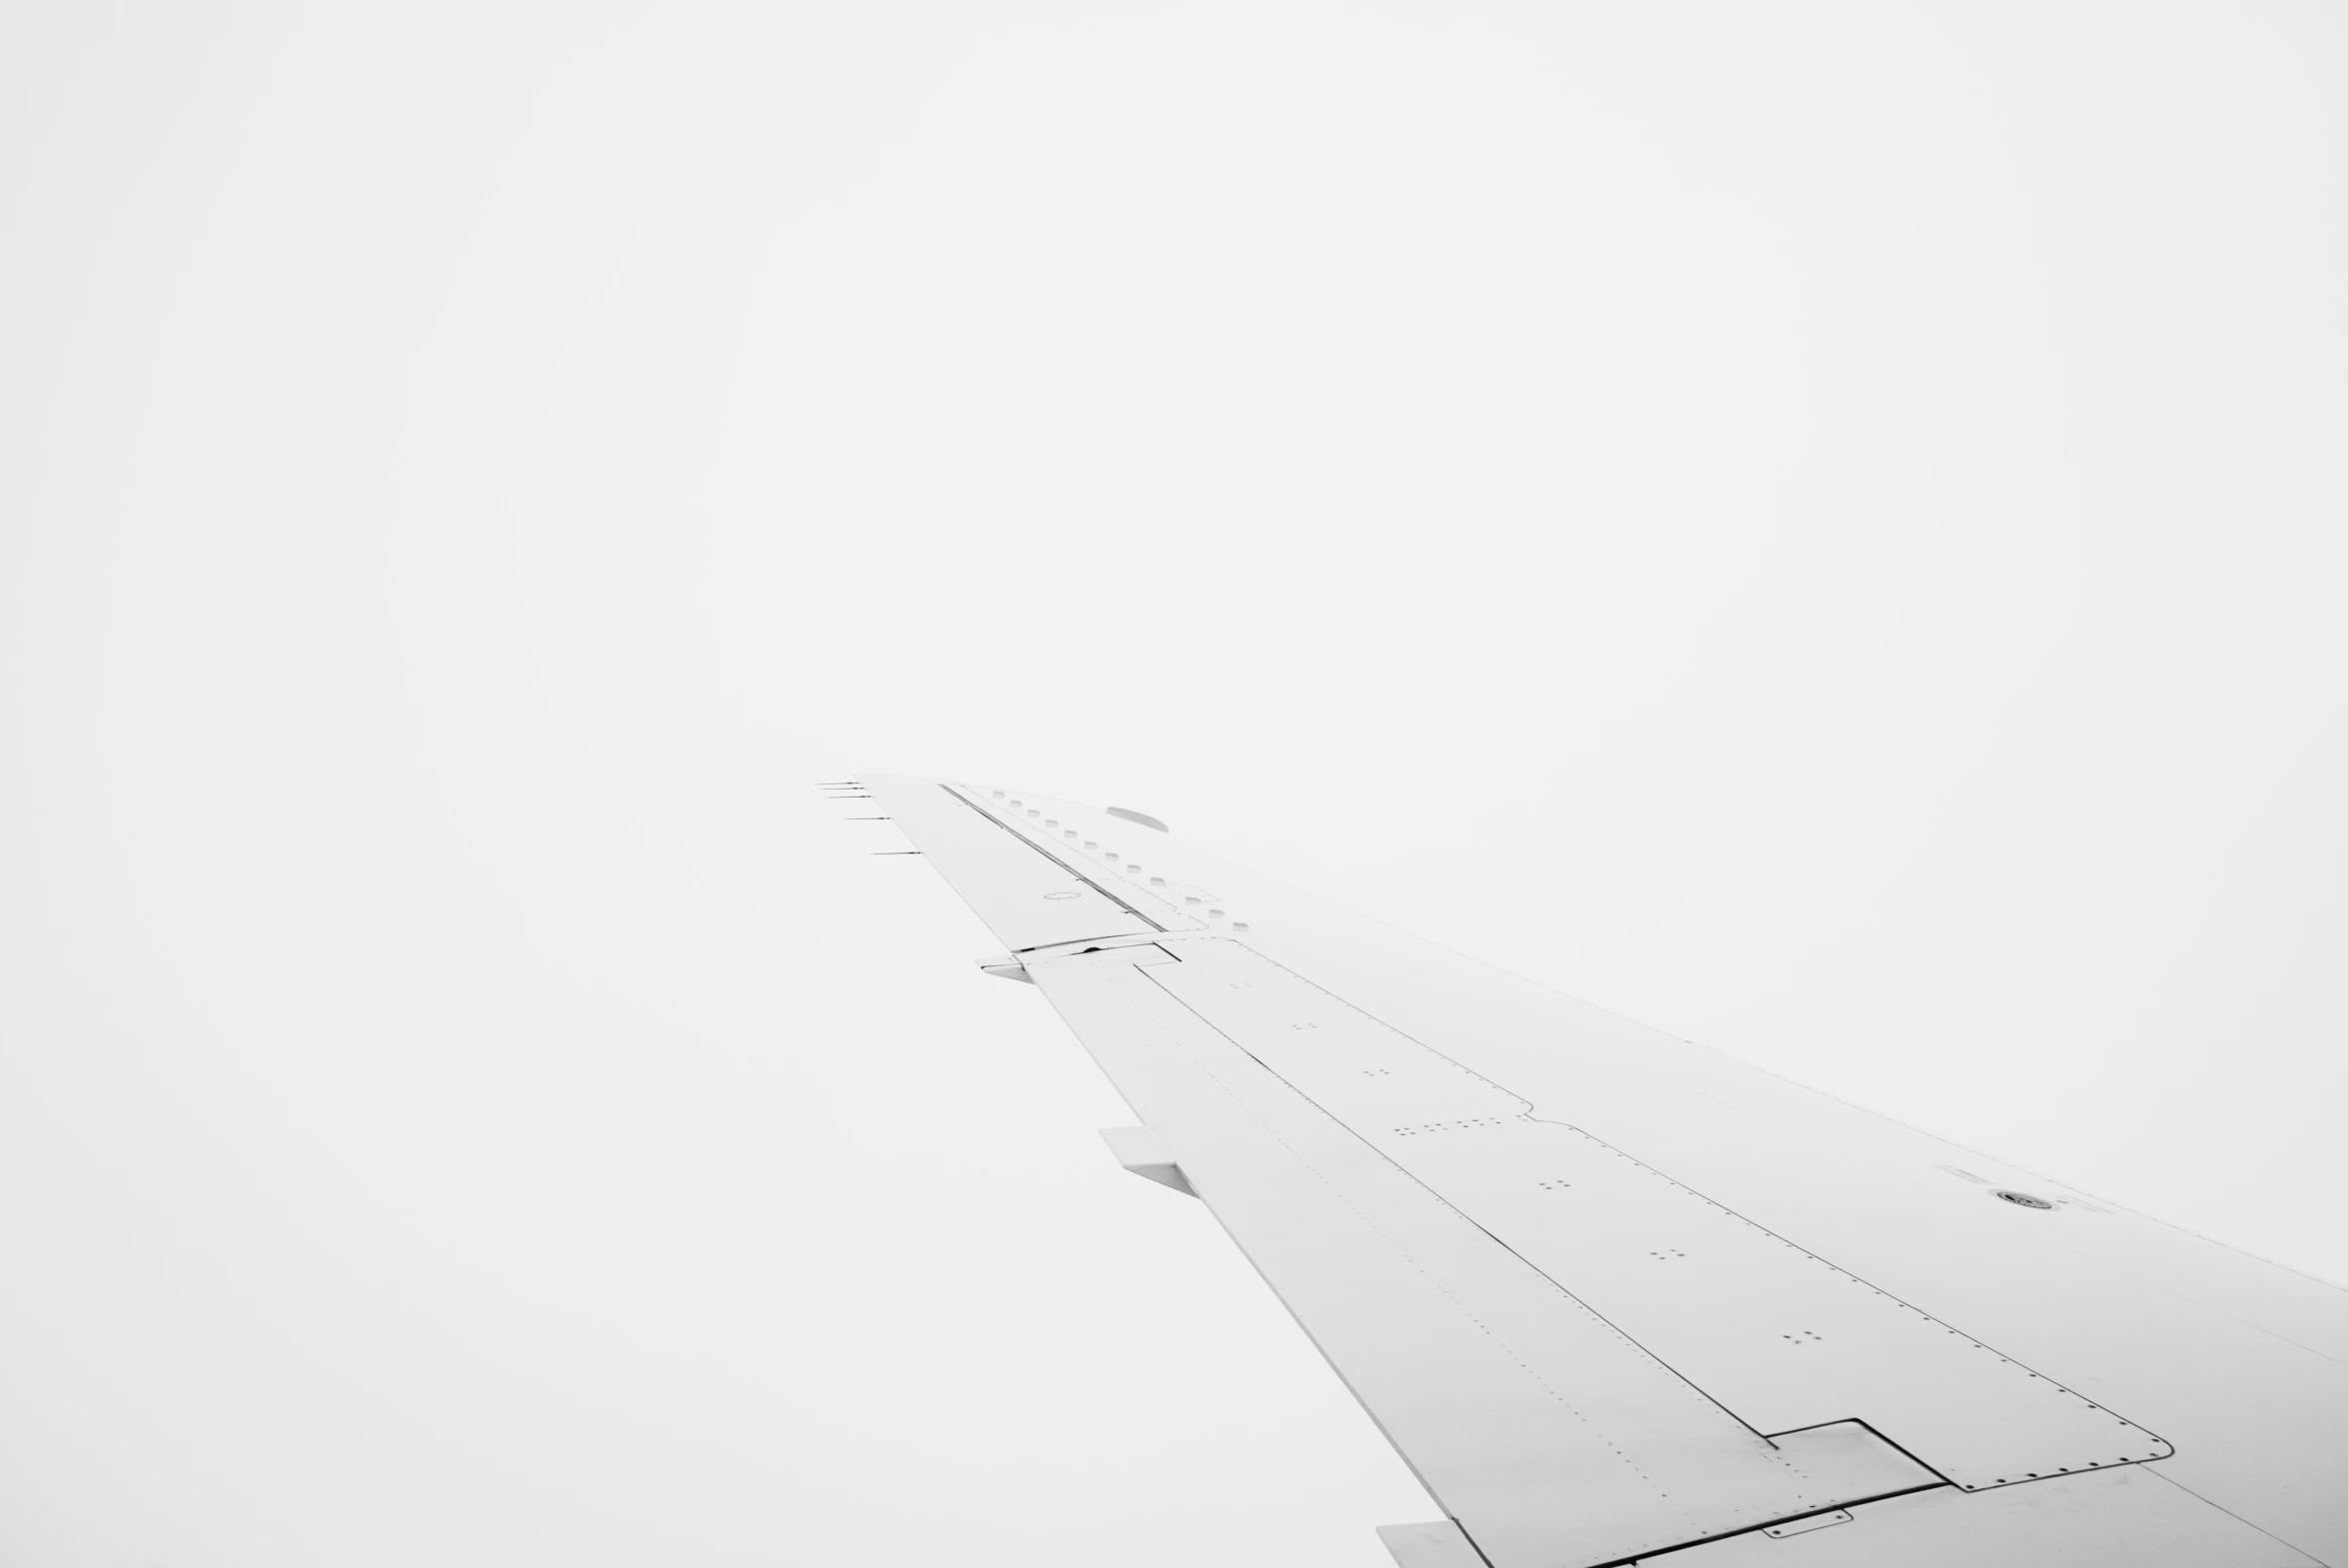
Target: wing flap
x: 2123, y: 1518
x: 1778, y: 1335
x: 1547, y: 1434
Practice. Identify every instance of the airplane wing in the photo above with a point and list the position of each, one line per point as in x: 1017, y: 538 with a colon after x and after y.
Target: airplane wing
x: 1617, y: 1298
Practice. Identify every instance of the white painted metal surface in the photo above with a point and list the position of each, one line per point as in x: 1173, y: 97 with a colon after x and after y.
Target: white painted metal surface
x: 1778, y: 1335
x: 1029, y: 896
x: 1617, y: 1298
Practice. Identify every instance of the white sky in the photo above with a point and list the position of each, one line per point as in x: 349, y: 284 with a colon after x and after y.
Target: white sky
x: 1818, y: 527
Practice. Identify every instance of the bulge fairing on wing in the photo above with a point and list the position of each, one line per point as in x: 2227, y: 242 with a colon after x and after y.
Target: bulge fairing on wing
x: 1617, y: 1298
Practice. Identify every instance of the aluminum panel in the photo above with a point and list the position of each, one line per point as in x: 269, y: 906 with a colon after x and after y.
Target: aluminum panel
x: 1553, y: 1440
x: 1781, y: 1336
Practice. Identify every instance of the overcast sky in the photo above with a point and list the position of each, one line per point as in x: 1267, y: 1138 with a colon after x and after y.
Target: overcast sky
x: 1819, y: 526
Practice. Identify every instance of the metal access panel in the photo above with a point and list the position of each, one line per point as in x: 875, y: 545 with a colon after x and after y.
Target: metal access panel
x: 1779, y: 1336
x: 1552, y: 1439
